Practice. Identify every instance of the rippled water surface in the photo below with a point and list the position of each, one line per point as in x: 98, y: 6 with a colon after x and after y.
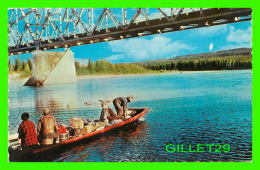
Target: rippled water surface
x: 187, y: 108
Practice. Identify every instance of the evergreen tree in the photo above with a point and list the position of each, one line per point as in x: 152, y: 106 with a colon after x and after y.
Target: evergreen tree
x: 27, y: 67
x: 90, y: 65
x: 23, y: 66
x: 10, y: 66
x: 17, y: 65
x: 77, y: 65
x: 29, y: 62
x: 98, y: 66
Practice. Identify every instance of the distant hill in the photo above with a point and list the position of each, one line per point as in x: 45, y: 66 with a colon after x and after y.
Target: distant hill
x: 223, y: 53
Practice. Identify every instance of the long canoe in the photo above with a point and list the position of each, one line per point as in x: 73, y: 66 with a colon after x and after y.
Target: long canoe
x: 140, y: 112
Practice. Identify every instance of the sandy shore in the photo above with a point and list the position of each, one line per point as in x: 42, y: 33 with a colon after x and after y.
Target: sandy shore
x: 143, y: 74
x: 12, y: 76
x: 16, y: 76
x: 99, y: 76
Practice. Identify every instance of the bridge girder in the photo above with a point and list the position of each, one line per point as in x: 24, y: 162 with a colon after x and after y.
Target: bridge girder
x: 46, y: 28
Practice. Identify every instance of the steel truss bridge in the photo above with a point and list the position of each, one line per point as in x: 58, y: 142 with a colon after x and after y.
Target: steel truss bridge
x: 51, y: 28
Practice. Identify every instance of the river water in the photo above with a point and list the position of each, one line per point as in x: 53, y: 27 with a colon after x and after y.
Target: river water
x: 189, y: 108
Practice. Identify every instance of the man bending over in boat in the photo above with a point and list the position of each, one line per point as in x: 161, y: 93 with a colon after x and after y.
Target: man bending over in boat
x: 120, y: 104
x: 47, y: 129
x: 27, y: 133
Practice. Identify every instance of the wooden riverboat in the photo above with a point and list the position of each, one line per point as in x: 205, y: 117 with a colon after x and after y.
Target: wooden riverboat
x: 45, y: 152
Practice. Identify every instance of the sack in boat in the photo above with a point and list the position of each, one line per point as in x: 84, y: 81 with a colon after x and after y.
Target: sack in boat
x: 50, y: 135
x: 87, y: 129
x: 99, y: 124
x: 129, y: 113
x: 100, y: 128
x: 77, y: 123
x: 77, y: 131
x: 115, y: 121
x: 63, y: 137
x: 47, y: 141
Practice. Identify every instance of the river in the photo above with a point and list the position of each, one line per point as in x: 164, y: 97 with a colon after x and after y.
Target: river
x: 190, y: 108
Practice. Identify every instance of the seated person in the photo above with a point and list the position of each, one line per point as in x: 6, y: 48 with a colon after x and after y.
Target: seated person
x: 27, y: 133
x: 47, y: 129
x: 107, y: 114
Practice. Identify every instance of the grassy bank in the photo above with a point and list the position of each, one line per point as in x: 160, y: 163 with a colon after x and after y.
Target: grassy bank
x: 19, y: 74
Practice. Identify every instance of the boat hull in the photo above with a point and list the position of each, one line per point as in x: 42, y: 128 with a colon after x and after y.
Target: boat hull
x: 49, y: 152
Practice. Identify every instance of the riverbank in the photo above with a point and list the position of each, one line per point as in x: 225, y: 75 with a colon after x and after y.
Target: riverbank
x: 93, y: 76
x: 13, y: 76
x: 17, y: 76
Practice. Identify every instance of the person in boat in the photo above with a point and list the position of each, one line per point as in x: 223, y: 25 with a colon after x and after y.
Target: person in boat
x: 47, y: 129
x: 107, y: 114
x: 27, y: 133
x: 120, y: 105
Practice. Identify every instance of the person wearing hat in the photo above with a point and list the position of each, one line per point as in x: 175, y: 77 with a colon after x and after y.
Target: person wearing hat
x: 106, y: 114
x: 120, y: 105
x: 47, y: 128
x: 27, y: 133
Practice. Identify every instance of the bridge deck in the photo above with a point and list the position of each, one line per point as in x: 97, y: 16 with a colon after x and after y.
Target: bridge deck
x: 184, y: 21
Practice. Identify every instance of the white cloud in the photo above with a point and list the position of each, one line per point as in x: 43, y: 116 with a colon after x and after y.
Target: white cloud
x: 237, y: 38
x: 211, y: 46
x: 209, y: 31
x: 142, y: 49
x: 240, y: 36
x: 115, y: 57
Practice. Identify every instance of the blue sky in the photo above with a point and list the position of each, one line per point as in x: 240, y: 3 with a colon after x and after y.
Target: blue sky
x: 166, y: 45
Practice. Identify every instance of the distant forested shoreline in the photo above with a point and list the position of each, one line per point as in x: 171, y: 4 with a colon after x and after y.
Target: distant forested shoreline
x: 236, y: 59
x: 203, y: 64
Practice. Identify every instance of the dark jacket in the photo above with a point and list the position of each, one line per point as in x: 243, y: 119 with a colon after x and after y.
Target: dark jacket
x: 121, y: 103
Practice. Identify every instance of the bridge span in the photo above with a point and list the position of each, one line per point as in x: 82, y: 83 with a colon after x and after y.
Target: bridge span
x: 31, y: 29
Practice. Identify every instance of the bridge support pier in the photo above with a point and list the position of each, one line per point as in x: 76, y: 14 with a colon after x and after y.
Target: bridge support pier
x: 52, y: 68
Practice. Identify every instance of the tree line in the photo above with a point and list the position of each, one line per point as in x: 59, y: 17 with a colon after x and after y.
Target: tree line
x: 24, y: 67
x: 105, y: 67
x: 200, y: 64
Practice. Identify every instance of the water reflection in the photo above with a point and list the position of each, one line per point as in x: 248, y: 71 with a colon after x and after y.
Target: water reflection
x: 64, y: 103
x: 55, y: 97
